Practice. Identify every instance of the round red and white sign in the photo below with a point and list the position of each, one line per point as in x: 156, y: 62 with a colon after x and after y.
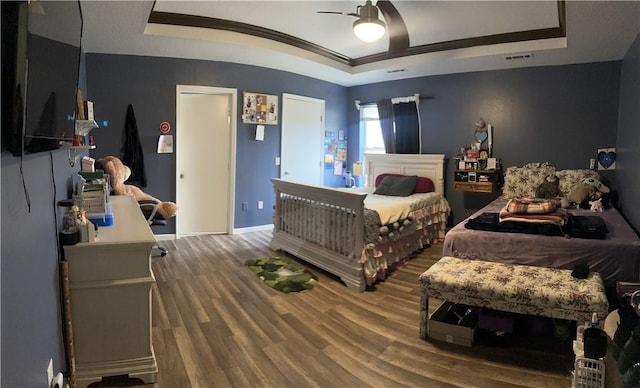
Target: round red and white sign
x: 165, y: 127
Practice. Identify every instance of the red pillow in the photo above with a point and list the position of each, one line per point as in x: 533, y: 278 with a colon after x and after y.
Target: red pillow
x: 423, y: 184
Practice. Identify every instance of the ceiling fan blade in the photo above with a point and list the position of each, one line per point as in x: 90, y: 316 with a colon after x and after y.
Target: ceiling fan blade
x: 397, y: 30
x: 340, y: 13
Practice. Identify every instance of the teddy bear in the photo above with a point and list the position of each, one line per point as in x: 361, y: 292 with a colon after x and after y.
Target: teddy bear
x: 589, y: 189
x: 118, y: 174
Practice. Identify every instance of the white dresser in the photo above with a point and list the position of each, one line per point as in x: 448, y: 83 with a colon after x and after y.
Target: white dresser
x: 110, y: 283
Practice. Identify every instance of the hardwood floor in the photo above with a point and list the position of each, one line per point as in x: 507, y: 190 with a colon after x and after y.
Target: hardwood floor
x: 215, y: 324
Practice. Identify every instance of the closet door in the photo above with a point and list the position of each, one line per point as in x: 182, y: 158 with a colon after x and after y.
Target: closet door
x: 205, y: 143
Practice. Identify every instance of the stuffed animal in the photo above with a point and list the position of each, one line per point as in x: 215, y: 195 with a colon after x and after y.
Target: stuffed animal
x: 550, y: 188
x: 596, y: 206
x: 118, y: 174
x: 580, y: 192
x: 587, y: 189
x: 597, y: 184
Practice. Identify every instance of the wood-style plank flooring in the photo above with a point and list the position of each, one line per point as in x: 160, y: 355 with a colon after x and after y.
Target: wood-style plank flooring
x: 215, y: 324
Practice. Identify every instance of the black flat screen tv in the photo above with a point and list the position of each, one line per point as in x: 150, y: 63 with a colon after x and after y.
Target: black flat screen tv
x: 41, y: 48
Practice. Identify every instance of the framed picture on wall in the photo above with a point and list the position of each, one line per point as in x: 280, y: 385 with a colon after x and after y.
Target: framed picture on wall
x: 258, y: 108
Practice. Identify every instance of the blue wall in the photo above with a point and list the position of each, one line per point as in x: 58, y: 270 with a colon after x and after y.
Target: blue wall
x: 628, y: 142
x: 31, y: 314
x: 149, y: 84
x: 559, y: 114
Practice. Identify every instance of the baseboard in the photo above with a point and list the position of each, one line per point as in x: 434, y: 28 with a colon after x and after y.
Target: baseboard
x: 162, y: 237
x: 258, y: 228
x: 253, y: 229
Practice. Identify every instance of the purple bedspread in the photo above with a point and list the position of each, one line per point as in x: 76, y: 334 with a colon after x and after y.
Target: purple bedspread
x: 616, y: 258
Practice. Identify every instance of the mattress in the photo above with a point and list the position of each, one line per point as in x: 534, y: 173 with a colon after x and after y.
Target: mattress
x: 389, y: 217
x: 616, y: 257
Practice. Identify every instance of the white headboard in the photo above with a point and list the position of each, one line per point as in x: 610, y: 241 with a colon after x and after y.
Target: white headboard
x: 425, y: 165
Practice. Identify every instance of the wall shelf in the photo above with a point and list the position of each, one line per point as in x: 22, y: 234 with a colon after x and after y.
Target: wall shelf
x: 477, y: 181
x: 75, y: 151
x: 83, y: 127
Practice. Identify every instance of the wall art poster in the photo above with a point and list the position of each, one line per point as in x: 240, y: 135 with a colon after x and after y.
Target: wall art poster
x: 259, y: 108
x: 607, y: 159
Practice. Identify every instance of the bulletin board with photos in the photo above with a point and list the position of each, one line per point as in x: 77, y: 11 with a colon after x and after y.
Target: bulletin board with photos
x: 259, y: 108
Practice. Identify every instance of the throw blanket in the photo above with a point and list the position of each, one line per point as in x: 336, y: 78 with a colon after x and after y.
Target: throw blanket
x: 390, y: 209
x: 558, y: 217
x: 531, y: 206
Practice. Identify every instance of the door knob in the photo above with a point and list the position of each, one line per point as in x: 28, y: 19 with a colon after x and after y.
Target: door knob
x: 181, y: 176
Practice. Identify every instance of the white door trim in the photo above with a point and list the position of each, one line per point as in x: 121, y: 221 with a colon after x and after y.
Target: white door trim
x: 231, y: 184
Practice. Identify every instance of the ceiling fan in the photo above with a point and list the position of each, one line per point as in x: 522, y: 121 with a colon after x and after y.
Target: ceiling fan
x: 370, y: 28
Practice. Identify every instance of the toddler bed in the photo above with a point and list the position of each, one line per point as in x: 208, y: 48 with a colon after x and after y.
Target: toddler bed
x: 616, y: 256
x: 358, y: 235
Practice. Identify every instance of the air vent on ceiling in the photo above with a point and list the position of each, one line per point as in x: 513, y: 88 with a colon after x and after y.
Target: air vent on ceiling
x: 396, y: 71
x: 518, y: 56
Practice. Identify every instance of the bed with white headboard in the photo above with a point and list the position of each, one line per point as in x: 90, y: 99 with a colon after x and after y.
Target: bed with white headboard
x: 356, y: 234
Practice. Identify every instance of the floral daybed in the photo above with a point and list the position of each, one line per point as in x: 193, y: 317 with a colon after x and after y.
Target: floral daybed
x: 548, y: 292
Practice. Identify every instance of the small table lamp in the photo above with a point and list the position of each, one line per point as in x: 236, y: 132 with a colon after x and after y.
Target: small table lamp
x: 357, y: 169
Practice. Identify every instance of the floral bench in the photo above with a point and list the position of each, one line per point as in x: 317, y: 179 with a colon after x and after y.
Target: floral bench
x: 523, y: 289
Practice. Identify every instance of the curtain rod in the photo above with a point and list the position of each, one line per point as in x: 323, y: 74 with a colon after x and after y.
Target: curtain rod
x: 358, y: 103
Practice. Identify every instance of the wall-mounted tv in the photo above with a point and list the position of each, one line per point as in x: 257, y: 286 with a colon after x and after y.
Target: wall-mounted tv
x: 40, y: 64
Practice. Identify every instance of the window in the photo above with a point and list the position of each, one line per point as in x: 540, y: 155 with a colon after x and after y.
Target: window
x: 370, y: 129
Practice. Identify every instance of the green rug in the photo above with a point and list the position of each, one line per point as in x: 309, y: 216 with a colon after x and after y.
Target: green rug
x: 282, y: 274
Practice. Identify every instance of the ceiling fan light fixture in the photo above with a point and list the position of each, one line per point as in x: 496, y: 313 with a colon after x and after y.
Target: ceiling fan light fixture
x: 368, y: 30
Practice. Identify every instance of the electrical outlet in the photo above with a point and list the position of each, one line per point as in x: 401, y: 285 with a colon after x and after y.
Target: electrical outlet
x: 592, y: 164
x: 49, y: 373
x: 245, y: 206
x: 260, y: 205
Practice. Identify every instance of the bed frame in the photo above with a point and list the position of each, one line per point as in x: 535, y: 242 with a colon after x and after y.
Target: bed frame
x: 306, y: 216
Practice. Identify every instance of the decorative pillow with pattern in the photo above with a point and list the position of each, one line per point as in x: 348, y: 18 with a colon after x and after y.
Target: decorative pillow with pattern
x: 570, y: 178
x: 523, y: 181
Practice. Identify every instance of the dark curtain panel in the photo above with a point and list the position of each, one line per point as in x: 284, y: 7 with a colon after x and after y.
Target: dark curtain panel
x: 407, y: 128
x: 132, y: 155
x: 385, y: 114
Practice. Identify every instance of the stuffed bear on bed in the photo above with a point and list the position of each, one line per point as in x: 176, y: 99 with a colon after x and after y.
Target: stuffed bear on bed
x: 589, y: 189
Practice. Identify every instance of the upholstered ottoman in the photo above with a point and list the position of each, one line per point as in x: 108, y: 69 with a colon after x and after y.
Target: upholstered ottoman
x: 523, y: 289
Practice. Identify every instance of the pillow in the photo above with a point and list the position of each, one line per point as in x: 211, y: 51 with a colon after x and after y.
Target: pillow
x: 570, y: 178
x: 423, y: 184
x: 523, y: 181
x: 398, y: 186
x: 380, y: 177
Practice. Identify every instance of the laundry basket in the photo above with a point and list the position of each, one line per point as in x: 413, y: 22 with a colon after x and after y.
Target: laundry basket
x: 588, y: 373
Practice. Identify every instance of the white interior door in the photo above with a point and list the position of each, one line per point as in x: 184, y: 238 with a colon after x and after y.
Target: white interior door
x: 302, y: 136
x: 205, y: 147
